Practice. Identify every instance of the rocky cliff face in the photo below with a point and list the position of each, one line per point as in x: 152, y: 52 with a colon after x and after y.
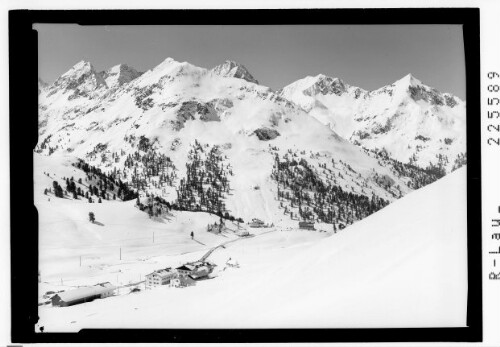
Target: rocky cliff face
x: 232, y: 69
x: 119, y: 75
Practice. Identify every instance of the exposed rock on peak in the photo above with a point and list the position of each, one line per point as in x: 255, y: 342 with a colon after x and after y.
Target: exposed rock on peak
x: 191, y: 110
x: 119, y: 75
x: 232, y: 69
x: 82, y: 77
x: 391, y: 117
x: 326, y: 85
x: 409, y: 80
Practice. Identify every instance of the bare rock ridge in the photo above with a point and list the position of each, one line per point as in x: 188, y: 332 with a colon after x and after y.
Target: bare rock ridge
x: 119, y: 75
x: 83, y: 76
x: 388, y: 119
x: 408, y: 120
x: 232, y: 69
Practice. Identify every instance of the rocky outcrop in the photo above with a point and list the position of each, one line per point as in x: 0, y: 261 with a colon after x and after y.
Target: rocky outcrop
x: 266, y: 134
x: 232, y: 69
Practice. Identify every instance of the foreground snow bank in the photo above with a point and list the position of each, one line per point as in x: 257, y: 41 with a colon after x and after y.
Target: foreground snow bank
x: 404, y: 266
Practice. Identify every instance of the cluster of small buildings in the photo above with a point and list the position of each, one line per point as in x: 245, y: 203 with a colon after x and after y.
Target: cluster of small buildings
x: 83, y: 294
x: 181, y: 276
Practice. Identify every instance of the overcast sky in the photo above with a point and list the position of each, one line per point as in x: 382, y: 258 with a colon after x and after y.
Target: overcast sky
x: 367, y: 56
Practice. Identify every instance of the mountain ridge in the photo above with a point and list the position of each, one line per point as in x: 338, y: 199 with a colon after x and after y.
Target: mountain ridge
x: 266, y: 147
x: 379, y: 119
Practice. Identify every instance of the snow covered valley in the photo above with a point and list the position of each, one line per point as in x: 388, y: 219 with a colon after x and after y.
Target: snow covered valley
x: 319, y: 205
x: 404, y: 266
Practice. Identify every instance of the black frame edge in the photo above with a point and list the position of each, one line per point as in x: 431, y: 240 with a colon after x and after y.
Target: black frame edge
x: 24, y: 239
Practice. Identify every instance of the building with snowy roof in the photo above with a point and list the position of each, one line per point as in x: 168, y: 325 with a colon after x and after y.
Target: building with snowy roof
x: 182, y: 281
x: 257, y: 223
x: 196, y: 270
x: 83, y: 294
x: 160, y: 277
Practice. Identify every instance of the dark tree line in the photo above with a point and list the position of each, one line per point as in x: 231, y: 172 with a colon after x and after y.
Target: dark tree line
x: 206, y: 182
x: 418, y: 177
x: 460, y: 161
x: 299, y: 187
x: 58, y: 191
x: 104, y: 183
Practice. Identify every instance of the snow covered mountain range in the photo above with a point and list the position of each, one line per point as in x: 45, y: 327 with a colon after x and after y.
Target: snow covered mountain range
x: 317, y: 149
x: 411, y: 121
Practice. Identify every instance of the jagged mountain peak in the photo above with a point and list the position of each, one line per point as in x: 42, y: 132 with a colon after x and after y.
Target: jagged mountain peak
x: 408, y: 118
x: 171, y: 62
x: 411, y: 86
x: 120, y: 67
x: 233, y: 69
x: 172, y: 67
x: 120, y: 74
x: 79, y: 68
x: 321, y: 77
x: 407, y: 85
x: 326, y: 85
x: 79, y: 80
x: 408, y: 80
x: 320, y: 84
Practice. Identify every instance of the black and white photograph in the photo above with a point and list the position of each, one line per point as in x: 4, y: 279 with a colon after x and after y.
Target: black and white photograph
x: 250, y: 173
x: 251, y: 176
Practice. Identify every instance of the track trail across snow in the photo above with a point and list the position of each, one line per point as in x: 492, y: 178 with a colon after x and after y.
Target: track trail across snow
x: 222, y: 245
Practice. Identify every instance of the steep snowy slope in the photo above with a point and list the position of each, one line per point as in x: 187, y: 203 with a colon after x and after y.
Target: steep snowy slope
x: 412, y: 122
x: 405, y: 266
x: 66, y: 234
x: 330, y: 100
x: 170, y: 108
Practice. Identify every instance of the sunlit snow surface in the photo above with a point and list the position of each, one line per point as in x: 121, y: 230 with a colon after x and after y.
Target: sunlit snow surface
x: 404, y: 266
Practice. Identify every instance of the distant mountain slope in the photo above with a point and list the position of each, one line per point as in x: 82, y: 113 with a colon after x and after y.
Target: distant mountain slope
x: 180, y: 131
x: 410, y: 121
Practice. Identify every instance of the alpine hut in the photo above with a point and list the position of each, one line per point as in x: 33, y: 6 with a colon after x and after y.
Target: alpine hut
x: 83, y: 294
x: 306, y: 225
x: 160, y: 277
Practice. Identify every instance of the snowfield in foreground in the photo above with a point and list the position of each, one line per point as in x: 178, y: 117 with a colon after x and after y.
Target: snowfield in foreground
x: 404, y: 266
